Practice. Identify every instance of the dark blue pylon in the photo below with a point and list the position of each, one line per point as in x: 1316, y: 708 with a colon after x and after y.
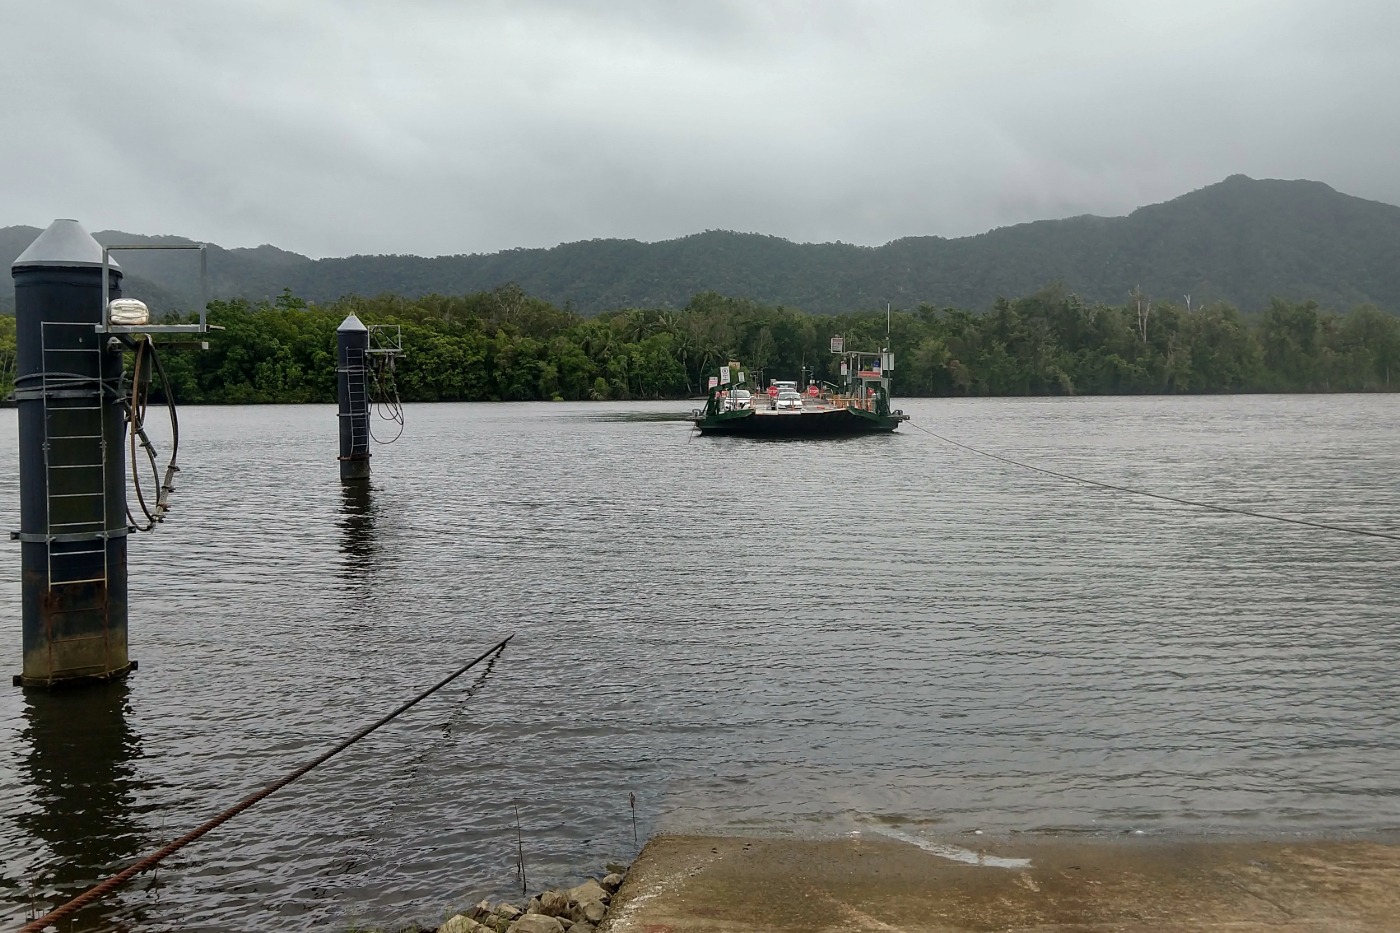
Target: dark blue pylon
x: 73, y: 522
x: 352, y: 393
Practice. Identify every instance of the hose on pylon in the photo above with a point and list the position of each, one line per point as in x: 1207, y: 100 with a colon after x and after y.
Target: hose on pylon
x: 385, y: 397
x: 136, y: 404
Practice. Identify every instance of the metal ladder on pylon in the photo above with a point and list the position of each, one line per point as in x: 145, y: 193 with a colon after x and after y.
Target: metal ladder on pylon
x: 74, y: 413
x: 357, y: 383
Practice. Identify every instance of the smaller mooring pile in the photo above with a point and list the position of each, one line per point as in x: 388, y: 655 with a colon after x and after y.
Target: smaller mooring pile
x: 77, y: 405
x: 365, y: 358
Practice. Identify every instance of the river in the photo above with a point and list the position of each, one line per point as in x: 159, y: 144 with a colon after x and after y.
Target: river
x: 882, y: 634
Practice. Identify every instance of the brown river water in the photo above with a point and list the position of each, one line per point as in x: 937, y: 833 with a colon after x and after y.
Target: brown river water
x: 883, y: 634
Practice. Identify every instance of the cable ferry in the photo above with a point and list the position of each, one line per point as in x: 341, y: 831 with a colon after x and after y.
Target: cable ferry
x: 861, y: 405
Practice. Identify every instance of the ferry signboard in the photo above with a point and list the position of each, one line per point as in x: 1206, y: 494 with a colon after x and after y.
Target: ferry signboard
x: 838, y: 344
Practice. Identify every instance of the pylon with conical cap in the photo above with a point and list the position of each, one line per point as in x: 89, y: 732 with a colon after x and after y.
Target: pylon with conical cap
x: 73, y: 524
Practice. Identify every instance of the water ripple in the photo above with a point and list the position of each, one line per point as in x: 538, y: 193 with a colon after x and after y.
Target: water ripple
x: 805, y: 638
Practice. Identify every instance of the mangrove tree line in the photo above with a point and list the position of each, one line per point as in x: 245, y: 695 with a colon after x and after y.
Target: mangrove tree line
x: 507, y: 345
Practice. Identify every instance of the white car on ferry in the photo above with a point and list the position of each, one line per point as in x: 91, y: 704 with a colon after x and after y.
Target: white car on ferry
x: 738, y: 400
x: 788, y: 400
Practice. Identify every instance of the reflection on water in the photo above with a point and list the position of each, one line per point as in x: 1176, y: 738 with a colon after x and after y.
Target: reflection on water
x: 80, y: 762
x: 356, y: 523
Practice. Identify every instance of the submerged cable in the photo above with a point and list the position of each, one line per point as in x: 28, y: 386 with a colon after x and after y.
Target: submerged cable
x: 1156, y: 495
x: 150, y: 861
x: 416, y: 762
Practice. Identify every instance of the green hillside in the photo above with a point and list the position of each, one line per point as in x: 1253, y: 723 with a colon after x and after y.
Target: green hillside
x: 1240, y: 241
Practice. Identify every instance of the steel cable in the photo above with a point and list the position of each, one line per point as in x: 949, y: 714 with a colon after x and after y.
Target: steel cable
x: 1156, y: 495
x: 150, y: 861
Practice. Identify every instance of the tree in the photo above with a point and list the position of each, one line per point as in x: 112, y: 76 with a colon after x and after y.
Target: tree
x: 1289, y: 337
x: 506, y: 344
x: 1143, y: 305
x: 8, y: 343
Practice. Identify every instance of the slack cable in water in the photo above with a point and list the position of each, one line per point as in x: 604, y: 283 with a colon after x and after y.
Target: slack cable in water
x: 150, y: 861
x: 1157, y: 495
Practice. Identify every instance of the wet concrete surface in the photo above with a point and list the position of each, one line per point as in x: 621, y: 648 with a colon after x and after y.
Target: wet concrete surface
x: 699, y: 884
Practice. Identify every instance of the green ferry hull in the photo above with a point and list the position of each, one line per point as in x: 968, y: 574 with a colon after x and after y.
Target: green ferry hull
x: 833, y: 422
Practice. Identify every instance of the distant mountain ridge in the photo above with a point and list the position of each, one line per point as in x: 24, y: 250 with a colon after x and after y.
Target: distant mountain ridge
x: 1241, y: 240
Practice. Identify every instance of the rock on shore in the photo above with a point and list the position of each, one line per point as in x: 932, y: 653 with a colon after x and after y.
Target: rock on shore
x: 578, y: 910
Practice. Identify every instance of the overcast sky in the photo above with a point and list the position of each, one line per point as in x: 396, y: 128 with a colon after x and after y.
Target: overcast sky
x: 452, y: 126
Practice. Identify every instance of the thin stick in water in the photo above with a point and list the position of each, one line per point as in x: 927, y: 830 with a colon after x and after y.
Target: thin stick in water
x: 520, y: 853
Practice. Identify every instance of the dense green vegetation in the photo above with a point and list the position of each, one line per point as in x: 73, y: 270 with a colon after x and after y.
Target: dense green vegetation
x: 7, y: 355
x: 507, y: 345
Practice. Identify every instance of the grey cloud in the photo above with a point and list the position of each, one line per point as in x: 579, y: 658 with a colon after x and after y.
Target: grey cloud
x: 444, y: 127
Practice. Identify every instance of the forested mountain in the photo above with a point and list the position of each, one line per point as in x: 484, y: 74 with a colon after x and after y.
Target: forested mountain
x: 169, y: 280
x: 1240, y: 241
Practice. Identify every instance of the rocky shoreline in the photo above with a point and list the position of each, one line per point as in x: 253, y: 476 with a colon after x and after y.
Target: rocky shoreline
x: 580, y: 909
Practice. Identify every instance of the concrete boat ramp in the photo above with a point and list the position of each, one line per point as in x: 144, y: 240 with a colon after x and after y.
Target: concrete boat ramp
x: 1133, y: 884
